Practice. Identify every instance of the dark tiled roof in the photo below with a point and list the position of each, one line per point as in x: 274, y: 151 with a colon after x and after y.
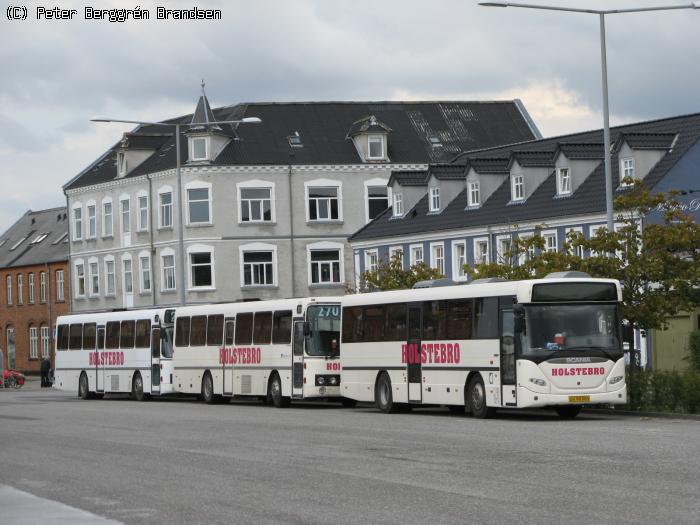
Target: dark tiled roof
x: 532, y: 159
x: 649, y: 140
x: 486, y: 166
x: 543, y: 204
x: 368, y: 125
x: 581, y: 151
x: 409, y: 178
x: 144, y: 141
x: 447, y: 171
x: 52, y: 222
x: 323, y: 128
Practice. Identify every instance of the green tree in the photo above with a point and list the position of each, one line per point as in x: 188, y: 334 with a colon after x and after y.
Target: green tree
x: 658, y: 265
x: 391, y: 275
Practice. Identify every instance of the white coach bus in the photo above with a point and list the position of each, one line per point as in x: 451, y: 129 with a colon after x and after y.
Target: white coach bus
x: 115, y: 352
x: 553, y: 342
x: 275, y: 350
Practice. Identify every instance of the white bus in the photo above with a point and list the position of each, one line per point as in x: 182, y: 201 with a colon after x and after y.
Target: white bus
x: 274, y: 350
x: 553, y: 342
x: 115, y: 353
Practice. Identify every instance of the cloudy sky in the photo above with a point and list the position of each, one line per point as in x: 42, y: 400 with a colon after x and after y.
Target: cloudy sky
x: 56, y: 75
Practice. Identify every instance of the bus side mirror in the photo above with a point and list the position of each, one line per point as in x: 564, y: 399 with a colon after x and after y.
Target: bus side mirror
x: 307, y: 329
x: 518, y: 319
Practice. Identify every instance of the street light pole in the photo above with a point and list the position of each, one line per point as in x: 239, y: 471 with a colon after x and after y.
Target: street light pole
x: 604, y: 66
x: 178, y: 175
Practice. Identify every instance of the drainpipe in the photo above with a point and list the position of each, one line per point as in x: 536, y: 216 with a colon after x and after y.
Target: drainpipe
x: 48, y: 307
x: 152, y: 250
x: 291, y: 222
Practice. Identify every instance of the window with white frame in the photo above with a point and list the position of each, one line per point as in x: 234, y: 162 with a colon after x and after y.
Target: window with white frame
x: 504, y: 250
x: 142, y: 202
x: 550, y: 241
x: 33, y: 342
x: 93, y: 267
x: 77, y: 222
x: 474, y: 194
x: 375, y: 147
x: 459, y: 260
x: 434, y: 201
x: 107, y: 222
x: 60, y: 286
x: 325, y: 266
x: 80, y: 280
x: 396, y: 251
x: 167, y: 263
x: 517, y: 188
x: 8, y: 289
x: 377, y: 200
x: 92, y: 221
x: 627, y: 170
x: 578, y: 249
x: 323, y: 203
x: 165, y: 208
x: 371, y: 261
x: 121, y: 163
x: 258, y: 268
x: 201, y: 269
x: 126, y: 215
x: 398, y: 204
x: 110, y: 279
x: 45, y: 342
x: 30, y: 285
x: 20, y: 289
x: 128, y: 276
x: 416, y: 254
x: 563, y: 181
x: 256, y: 204
x: 145, y: 271
x: 42, y: 287
x: 198, y: 205
x: 437, y: 257
x: 481, y: 251
x: 200, y: 148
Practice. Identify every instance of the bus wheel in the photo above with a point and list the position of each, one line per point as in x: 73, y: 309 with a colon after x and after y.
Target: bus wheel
x: 477, y: 399
x: 568, y: 411
x: 83, y: 387
x: 137, y: 388
x: 348, y: 403
x: 383, y: 396
x: 275, y: 392
x: 207, y: 389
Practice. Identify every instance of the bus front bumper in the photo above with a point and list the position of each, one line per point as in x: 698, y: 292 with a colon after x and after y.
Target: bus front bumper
x: 527, y: 398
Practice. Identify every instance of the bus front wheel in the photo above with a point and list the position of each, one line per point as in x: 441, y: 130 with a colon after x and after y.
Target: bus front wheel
x: 83, y: 387
x: 477, y: 399
x: 207, y: 389
x: 137, y: 388
x: 383, y: 396
x: 275, y: 392
x: 568, y: 411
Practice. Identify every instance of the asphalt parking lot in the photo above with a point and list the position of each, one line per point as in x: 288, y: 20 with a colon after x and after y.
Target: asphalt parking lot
x: 179, y: 461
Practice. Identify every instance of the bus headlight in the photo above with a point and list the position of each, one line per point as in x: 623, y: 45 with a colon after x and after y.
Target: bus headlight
x: 320, y: 380
x: 616, y: 380
x: 333, y: 380
x: 328, y: 380
x: 538, y: 382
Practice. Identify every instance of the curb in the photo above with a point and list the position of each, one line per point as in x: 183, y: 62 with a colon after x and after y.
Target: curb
x: 633, y: 413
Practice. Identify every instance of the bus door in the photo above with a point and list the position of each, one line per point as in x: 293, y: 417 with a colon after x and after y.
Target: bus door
x: 298, y: 357
x: 100, y: 370
x: 413, y: 353
x: 507, y: 324
x: 229, y: 328
x: 155, y: 360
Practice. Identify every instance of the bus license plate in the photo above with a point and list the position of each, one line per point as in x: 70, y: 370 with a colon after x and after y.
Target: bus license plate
x: 579, y: 399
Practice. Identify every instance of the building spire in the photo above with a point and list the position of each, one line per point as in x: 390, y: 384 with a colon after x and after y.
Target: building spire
x: 203, y: 117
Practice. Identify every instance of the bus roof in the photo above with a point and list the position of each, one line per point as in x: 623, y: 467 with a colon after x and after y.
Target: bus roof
x: 120, y: 315
x: 253, y: 306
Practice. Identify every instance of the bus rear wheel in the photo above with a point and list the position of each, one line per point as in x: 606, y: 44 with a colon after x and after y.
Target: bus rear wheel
x: 137, y: 392
x: 383, y: 396
x: 568, y: 411
x: 477, y: 399
x: 274, y: 392
x: 207, y: 389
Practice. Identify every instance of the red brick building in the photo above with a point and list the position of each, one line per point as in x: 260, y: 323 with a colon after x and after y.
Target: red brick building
x: 35, y: 287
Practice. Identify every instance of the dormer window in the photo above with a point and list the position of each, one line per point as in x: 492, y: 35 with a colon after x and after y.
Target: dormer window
x: 295, y: 140
x: 474, y: 196
x: 121, y: 163
x: 398, y: 204
x: 517, y: 188
x: 435, y: 142
x: 434, y: 202
x: 563, y: 181
x: 627, y: 171
x: 375, y: 147
x: 200, y: 148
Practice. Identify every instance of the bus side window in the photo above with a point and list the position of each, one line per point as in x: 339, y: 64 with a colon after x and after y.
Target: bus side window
x: 198, y: 330
x: 62, y: 339
x: 230, y: 326
x: 89, y: 336
x: 215, y: 330
x: 373, y: 323
x: 395, y: 326
x: 434, y: 320
x: 486, y: 318
x: 459, y: 320
x: 262, y: 328
x: 101, y: 338
x: 182, y: 331
x: 76, y: 337
x: 127, y: 334
x: 244, y: 329
x: 282, y: 328
x: 112, y: 335
x: 143, y: 333
x: 352, y: 324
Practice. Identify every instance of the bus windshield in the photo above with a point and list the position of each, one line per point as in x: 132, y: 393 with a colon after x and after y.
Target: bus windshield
x: 324, y: 322
x: 166, y: 342
x: 571, y: 327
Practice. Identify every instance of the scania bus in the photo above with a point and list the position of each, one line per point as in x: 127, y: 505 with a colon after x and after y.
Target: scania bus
x: 115, y: 352
x: 275, y: 350
x: 552, y: 342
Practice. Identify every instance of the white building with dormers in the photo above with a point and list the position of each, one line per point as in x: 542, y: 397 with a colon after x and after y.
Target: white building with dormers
x: 267, y: 207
